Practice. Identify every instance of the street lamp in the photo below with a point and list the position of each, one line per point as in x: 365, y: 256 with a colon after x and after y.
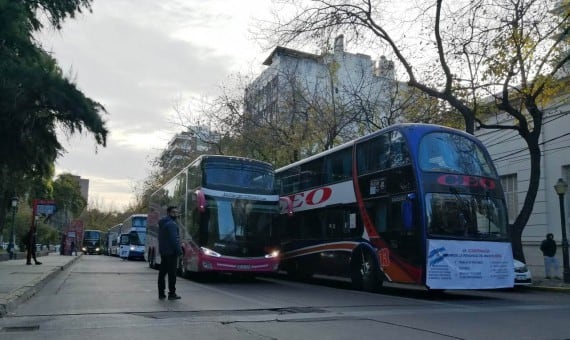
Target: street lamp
x: 13, y: 235
x: 561, y: 187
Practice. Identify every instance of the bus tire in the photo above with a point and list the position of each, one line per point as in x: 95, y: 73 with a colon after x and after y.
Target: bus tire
x: 365, y: 271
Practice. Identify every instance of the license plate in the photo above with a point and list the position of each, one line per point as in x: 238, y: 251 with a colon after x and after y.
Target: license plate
x: 521, y: 277
x: 243, y: 266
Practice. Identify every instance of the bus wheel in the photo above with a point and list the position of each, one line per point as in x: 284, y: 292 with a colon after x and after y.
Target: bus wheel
x: 365, y: 272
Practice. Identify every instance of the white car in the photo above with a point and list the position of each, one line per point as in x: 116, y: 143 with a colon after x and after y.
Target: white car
x: 523, y: 276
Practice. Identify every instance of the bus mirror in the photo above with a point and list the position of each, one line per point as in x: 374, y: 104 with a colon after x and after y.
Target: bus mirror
x: 201, y: 201
x: 407, y: 212
x: 285, y: 203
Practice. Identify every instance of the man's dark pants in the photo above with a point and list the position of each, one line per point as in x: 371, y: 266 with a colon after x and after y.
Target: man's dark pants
x: 168, y: 265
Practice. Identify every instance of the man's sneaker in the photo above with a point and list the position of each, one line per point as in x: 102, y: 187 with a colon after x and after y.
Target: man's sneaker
x: 38, y: 262
x: 161, y: 296
x: 173, y: 297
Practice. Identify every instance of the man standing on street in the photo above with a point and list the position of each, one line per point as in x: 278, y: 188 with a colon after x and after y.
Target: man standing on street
x: 31, y: 245
x: 548, y: 248
x: 169, y: 248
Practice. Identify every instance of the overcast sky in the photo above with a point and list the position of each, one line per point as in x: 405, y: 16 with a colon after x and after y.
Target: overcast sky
x: 138, y: 58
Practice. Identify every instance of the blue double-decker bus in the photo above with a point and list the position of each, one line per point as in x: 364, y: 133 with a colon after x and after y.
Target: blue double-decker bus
x: 411, y: 204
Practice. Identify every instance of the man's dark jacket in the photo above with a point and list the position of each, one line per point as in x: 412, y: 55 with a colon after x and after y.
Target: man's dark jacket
x: 548, y: 247
x: 168, y: 239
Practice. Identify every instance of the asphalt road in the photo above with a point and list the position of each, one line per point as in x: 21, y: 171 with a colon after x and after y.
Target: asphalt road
x: 101, y: 297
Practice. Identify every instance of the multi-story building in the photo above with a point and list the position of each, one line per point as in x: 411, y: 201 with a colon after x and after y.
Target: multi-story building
x: 295, y: 80
x: 83, y: 186
x: 182, y: 149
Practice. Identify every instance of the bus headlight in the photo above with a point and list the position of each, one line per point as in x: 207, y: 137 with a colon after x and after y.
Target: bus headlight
x: 96, y: 249
x: 84, y: 249
x: 273, y: 254
x: 132, y: 248
x: 210, y: 252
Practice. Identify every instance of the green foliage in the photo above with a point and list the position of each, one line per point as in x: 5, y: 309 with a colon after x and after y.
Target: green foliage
x: 36, y: 99
x: 67, y: 194
x: 100, y: 220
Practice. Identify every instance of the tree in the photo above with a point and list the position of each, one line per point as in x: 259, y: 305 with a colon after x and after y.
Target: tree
x: 36, y: 100
x: 67, y: 196
x: 505, y: 53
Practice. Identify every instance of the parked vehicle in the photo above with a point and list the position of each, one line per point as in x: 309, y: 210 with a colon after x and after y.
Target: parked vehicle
x: 523, y: 277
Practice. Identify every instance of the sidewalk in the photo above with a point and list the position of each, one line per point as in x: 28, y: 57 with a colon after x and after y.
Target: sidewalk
x: 19, y: 282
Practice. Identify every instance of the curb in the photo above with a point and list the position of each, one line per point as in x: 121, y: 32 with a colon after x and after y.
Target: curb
x: 24, y: 293
x: 551, y: 289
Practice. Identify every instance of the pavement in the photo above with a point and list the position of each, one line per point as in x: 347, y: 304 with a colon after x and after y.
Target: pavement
x: 19, y: 282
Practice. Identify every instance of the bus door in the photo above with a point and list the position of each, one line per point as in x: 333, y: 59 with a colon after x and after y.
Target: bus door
x: 124, y: 246
x: 339, y: 224
x: 392, y: 220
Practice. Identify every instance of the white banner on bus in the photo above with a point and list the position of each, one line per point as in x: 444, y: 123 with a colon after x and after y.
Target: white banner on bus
x: 469, y: 265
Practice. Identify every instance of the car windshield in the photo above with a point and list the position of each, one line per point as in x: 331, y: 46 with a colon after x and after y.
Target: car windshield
x: 465, y: 216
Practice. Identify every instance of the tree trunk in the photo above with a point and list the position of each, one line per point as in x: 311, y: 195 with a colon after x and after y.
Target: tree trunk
x: 534, y: 181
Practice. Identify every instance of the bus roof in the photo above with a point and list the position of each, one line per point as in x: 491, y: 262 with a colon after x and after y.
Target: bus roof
x: 349, y: 144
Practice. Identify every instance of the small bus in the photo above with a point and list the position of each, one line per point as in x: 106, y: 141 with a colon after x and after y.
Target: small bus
x: 93, y: 242
x: 113, y: 240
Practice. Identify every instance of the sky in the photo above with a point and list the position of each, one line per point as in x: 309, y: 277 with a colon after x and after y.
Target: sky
x: 139, y: 58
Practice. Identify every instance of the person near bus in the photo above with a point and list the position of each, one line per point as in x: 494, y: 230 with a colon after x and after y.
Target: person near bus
x: 169, y: 248
x: 30, y: 241
x: 548, y: 248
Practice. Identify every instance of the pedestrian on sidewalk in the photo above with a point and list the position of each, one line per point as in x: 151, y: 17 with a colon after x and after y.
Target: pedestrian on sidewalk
x: 551, y: 264
x: 30, y: 241
x: 169, y: 248
x: 73, y: 250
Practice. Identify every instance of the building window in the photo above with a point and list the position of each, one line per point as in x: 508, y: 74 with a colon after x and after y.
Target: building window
x: 509, y: 183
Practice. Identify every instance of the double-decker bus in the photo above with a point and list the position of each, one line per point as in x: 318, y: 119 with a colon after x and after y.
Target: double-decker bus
x: 227, y: 206
x: 409, y: 204
x: 93, y: 242
x: 135, y: 227
x: 113, y: 240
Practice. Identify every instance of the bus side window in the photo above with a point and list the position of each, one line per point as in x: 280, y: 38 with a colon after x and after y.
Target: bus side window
x: 379, y: 214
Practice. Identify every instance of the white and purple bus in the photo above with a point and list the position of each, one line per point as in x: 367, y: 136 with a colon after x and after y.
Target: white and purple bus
x: 227, y: 206
x: 135, y: 227
x: 411, y: 204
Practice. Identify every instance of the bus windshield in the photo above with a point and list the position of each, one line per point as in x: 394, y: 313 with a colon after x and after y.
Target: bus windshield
x: 448, y: 152
x: 136, y: 238
x: 247, y: 177
x: 239, y: 220
x: 465, y: 216
x: 91, y: 235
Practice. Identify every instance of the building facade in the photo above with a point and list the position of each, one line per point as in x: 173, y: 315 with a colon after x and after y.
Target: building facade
x: 182, y: 149
x: 511, y: 158
x: 296, y: 82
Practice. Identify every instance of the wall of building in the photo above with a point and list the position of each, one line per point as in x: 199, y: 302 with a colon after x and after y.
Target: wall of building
x: 510, y: 155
